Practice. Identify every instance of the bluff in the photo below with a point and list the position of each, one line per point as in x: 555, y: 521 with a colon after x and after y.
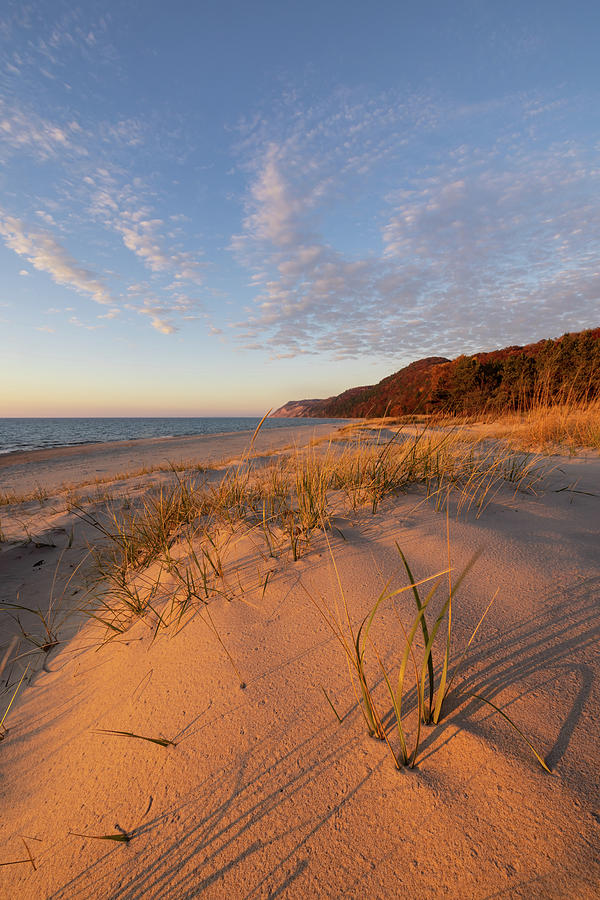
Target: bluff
x: 548, y: 371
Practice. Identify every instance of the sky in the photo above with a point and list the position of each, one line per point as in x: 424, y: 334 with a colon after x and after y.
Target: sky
x: 213, y: 207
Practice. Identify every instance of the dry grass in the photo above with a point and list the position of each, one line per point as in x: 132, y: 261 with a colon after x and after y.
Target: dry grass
x: 164, y: 557
x: 171, y: 552
x: 571, y: 426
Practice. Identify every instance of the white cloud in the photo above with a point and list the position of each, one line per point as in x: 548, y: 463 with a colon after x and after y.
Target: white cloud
x: 45, y: 254
x: 491, y: 244
x: 157, y: 319
x: 163, y: 326
x: 121, y: 209
x: 76, y: 321
x: 46, y: 217
x: 22, y: 130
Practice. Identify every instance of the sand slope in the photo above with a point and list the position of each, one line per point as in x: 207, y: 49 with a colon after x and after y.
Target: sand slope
x: 265, y: 793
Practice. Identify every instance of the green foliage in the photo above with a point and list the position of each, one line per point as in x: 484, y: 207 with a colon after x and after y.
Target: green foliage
x: 512, y: 379
x: 566, y: 370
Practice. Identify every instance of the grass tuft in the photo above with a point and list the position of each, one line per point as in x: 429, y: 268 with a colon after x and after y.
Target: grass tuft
x: 356, y: 640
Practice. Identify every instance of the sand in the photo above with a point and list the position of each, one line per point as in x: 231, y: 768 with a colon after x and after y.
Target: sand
x: 22, y: 472
x: 266, y: 793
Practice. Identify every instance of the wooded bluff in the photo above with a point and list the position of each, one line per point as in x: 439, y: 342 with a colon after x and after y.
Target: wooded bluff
x: 512, y: 378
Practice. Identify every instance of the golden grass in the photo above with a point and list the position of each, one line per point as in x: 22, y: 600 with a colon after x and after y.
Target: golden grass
x: 571, y: 426
x: 167, y: 555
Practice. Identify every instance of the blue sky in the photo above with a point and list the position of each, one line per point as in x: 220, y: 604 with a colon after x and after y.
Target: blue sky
x: 213, y: 207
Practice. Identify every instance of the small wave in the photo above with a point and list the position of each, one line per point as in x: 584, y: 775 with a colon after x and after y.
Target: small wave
x: 23, y: 435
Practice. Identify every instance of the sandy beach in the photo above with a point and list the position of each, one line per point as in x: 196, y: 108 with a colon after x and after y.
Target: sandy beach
x: 275, y: 789
x: 22, y: 472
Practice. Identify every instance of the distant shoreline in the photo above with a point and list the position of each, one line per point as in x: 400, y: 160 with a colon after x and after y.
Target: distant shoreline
x: 24, y: 470
x: 21, y: 434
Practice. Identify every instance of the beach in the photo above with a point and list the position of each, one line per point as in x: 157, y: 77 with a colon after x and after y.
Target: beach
x: 21, y: 472
x: 213, y: 745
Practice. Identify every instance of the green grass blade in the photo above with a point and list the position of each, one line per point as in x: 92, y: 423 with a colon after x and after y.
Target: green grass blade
x: 162, y: 741
x: 336, y: 713
x: 441, y: 691
x: 434, y: 631
x: 397, y: 712
x: 106, y: 622
x: 409, y: 643
x: 13, y: 696
x: 517, y: 729
x: 120, y: 837
x: 423, y: 624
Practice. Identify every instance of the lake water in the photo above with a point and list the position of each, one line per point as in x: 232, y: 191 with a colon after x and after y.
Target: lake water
x: 40, y: 433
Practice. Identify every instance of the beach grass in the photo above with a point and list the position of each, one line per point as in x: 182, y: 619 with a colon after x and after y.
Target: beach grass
x: 183, y: 533
x: 566, y: 426
x: 355, y: 639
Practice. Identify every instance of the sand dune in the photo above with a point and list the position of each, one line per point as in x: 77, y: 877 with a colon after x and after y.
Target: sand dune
x: 265, y: 792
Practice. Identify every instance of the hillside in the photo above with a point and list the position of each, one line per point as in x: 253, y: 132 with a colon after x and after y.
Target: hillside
x: 511, y: 377
x: 296, y: 409
x: 321, y: 408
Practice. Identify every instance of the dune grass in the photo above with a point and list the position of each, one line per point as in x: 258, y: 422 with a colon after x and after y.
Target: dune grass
x: 162, y: 742
x: 121, y: 837
x: 567, y: 425
x: 168, y: 553
x: 10, y: 703
x: 356, y: 639
x: 52, y: 617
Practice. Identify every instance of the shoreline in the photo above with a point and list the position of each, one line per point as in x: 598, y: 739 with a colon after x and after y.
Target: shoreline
x: 253, y: 422
x: 23, y: 470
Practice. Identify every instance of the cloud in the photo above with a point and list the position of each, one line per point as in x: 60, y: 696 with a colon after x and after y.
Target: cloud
x: 49, y: 41
x: 121, y: 209
x: 495, y: 242
x: 158, y: 320
x: 140, y: 238
x: 74, y: 320
x: 162, y: 325
x: 276, y: 210
x: 90, y: 165
x: 45, y: 254
x: 46, y: 217
x: 22, y: 129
